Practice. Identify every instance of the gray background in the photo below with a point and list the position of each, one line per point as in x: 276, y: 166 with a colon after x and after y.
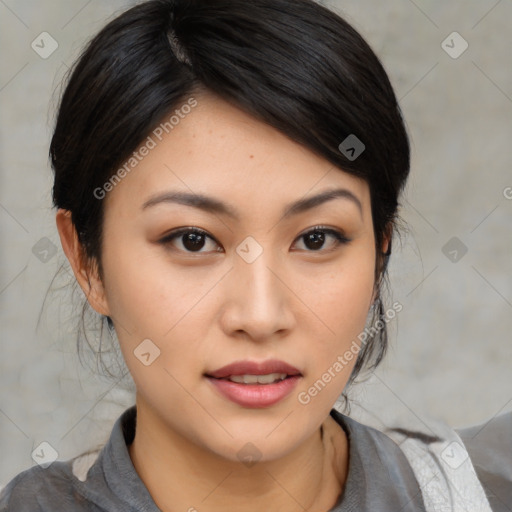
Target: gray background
x: 450, y: 346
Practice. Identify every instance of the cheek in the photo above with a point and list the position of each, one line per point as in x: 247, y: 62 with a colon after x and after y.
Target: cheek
x: 339, y: 302
x: 151, y: 300
x: 145, y: 294
x: 342, y: 295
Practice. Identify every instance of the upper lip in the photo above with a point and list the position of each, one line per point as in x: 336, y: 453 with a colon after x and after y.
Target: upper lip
x: 254, y: 368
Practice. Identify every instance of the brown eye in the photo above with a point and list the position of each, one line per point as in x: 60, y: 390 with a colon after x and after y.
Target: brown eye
x: 315, y: 239
x: 190, y: 240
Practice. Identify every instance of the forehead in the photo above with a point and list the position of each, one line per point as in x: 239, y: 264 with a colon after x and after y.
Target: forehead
x: 219, y: 150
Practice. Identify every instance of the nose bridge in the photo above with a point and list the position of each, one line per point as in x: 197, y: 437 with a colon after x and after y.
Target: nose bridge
x: 261, y: 301
x: 261, y: 288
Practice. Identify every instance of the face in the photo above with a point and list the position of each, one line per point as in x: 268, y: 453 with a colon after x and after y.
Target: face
x: 207, y: 263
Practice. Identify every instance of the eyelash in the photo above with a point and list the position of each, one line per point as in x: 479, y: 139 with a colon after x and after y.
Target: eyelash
x: 339, y: 238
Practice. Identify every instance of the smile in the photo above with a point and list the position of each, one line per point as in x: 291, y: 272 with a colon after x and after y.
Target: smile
x: 257, y: 379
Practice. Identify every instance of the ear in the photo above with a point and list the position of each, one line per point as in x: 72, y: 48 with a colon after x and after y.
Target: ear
x: 383, y: 257
x: 386, y: 242
x: 87, y: 278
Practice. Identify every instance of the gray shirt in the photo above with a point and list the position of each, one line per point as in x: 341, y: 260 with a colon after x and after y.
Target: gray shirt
x: 379, y: 475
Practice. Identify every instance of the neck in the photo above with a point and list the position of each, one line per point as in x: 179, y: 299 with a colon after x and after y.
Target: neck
x: 181, y: 475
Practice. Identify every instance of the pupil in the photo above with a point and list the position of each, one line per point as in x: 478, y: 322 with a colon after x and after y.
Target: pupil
x: 315, y: 240
x: 193, y: 241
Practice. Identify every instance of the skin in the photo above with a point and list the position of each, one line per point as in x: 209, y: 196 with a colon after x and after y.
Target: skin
x: 203, y: 310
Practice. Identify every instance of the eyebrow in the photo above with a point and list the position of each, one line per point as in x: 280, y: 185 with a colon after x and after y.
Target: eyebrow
x: 212, y: 205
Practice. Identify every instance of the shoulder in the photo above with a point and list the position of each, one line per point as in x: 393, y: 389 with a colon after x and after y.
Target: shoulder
x: 369, y: 439
x: 489, y: 445
x: 378, y: 470
x: 56, y: 487
x: 97, y: 480
x: 469, y: 465
x: 492, y: 438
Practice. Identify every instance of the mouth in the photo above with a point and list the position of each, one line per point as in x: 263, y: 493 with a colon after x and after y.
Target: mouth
x: 269, y: 378
x: 255, y: 385
x: 265, y: 372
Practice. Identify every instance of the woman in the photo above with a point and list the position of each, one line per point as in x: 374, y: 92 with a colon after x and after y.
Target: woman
x: 227, y: 176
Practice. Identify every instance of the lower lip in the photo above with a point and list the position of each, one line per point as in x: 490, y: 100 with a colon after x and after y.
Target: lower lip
x: 255, y: 395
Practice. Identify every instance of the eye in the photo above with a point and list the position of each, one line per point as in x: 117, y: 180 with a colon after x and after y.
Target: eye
x: 315, y: 239
x: 194, y: 240
x: 190, y: 240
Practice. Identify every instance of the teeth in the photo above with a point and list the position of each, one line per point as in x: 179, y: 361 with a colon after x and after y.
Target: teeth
x: 257, y: 379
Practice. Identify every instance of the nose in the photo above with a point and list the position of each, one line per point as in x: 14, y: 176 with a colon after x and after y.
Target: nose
x: 258, y: 301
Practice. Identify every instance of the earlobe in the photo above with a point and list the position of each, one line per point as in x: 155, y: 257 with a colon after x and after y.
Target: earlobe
x: 386, y: 244
x: 87, y: 277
